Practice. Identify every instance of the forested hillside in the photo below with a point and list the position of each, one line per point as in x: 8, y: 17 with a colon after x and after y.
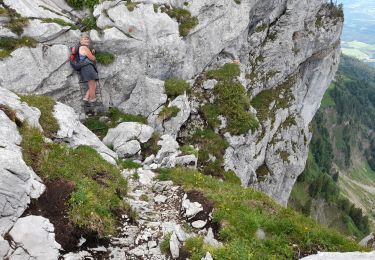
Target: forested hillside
x: 338, y: 184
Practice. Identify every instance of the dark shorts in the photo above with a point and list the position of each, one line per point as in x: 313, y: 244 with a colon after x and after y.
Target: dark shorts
x: 89, y: 72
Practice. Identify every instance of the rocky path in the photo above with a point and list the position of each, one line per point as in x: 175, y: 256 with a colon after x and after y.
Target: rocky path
x: 158, y: 212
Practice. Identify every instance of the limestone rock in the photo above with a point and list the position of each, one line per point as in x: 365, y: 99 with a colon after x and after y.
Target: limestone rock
x: 368, y: 241
x: 173, y: 125
x: 42, y: 31
x: 207, y: 256
x: 127, y: 136
x: 35, y: 235
x: 174, y: 246
x: 4, y: 248
x: 23, y: 111
x: 341, y: 256
x: 73, y: 132
x: 18, y: 182
x: 210, y: 239
x: 209, y: 84
x: 198, y: 224
x: 191, y: 208
x: 168, y: 145
x: 147, y: 96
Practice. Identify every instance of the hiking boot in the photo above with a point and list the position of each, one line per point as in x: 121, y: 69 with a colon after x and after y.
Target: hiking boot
x: 92, y: 100
x: 85, y: 99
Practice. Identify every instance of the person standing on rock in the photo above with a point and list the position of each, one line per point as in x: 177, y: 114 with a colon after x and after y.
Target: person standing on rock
x: 88, y: 72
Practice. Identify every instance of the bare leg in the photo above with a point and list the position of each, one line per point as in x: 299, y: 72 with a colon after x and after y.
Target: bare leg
x: 92, y: 89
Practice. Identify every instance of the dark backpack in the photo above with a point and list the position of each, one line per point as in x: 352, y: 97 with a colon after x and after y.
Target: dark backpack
x: 75, y: 62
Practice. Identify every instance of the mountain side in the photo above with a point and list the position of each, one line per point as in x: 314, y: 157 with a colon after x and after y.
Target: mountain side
x: 288, y: 53
x: 341, y: 165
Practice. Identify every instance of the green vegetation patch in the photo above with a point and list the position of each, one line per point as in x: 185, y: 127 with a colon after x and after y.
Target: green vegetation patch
x: 231, y: 101
x: 105, y: 58
x: 80, y: 4
x: 185, y: 20
x: 16, y: 22
x: 241, y: 211
x: 89, y: 23
x: 151, y: 146
x: 115, y: 117
x: 261, y: 28
x: 176, y: 87
x: 226, y: 73
x: 187, y: 149
x: 99, y: 186
x: 59, y: 21
x: 164, y: 244
x: 279, y: 97
x: 131, y: 5
x: 8, y: 45
x: 129, y: 164
x: 168, y: 112
x: 46, y: 106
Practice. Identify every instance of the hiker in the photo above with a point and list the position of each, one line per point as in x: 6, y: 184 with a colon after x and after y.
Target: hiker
x: 88, y: 72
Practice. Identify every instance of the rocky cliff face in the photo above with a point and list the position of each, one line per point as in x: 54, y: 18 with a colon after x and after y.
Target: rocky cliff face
x: 288, y: 52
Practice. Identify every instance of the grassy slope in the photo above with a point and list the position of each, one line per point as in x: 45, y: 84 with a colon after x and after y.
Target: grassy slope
x: 98, y: 185
x: 241, y: 211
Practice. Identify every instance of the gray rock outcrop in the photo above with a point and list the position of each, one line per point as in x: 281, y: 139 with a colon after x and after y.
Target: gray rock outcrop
x: 34, y: 238
x: 18, y: 182
x: 127, y: 137
x: 341, y: 256
x: 73, y: 132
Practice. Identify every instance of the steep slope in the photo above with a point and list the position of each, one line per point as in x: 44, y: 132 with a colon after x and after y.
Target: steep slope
x: 342, y: 159
x: 288, y: 53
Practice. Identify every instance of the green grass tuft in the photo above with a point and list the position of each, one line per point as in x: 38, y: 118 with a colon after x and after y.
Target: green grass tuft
x: 60, y: 21
x: 99, y: 186
x: 226, y: 73
x: 241, y: 211
x: 89, y: 23
x: 281, y: 96
x: 164, y: 244
x: 168, y: 112
x: 115, y: 117
x: 188, y: 149
x: 231, y: 101
x: 129, y: 164
x: 176, y: 87
x: 8, y: 45
x: 46, y: 106
x: 184, y: 18
x: 105, y: 58
x: 80, y: 4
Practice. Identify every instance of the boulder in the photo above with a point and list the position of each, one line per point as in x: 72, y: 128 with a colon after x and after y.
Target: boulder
x: 35, y: 235
x: 42, y: 31
x: 169, y: 146
x: 341, y: 256
x: 18, y: 182
x: 73, y: 132
x: 147, y: 96
x: 174, y: 246
x: 127, y: 136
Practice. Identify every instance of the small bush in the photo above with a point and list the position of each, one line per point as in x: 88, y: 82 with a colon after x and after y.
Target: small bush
x: 184, y: 18
x: 8, y: 45
x: 188, y: 149
x: 130, y: 5
x: 89, y: 23
x: 105, y: 58
x: 226, y: 73
x: 194, y: 246
x: 164, y: 244
x: 117, y: 116
x: 151, y: 146
x: 80, y: 4
x: 261, y: 28
x: 59, y: 22
x: 46, y: 106
x: 175, y: 87
x: 129, y: 164
x: 168, y: 112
